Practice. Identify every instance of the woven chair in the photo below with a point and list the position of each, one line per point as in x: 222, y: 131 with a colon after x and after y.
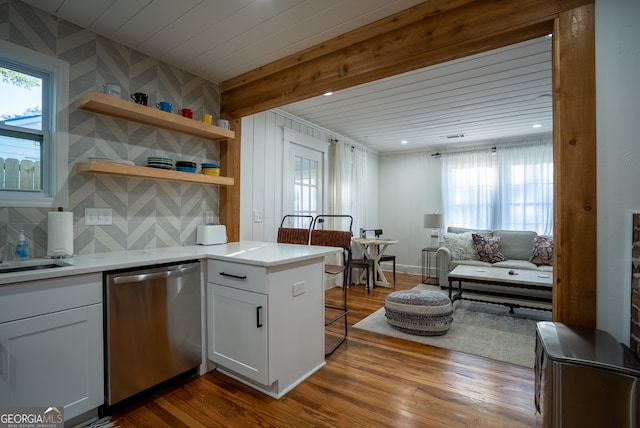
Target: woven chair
x: 340, y: 239
x: 349, y: 263
x: 294, y: 235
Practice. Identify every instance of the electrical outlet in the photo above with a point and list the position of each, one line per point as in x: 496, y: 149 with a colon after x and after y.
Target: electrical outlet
x: 257, y: 216
x: 298, y: 288
x: 98, y: 216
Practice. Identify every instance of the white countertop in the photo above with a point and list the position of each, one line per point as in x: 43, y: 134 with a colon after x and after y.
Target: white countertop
x: 248, y: 252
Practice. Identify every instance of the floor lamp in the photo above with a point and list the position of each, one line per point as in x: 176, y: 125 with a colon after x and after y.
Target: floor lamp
x: 433, y: 222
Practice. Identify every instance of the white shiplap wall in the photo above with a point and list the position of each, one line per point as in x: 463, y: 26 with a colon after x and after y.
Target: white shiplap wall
x: 261, y: 172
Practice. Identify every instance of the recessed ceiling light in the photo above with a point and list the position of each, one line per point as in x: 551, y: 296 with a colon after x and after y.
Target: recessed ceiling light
x: 403, y: 142
x: 537, y: 125
x: 326, y: 94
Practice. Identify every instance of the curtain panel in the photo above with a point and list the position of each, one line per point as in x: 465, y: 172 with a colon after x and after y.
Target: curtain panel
x: 348, y: 184
x: 504, y: 188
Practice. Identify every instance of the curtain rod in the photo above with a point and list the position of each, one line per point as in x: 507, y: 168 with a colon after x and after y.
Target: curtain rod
x: 493, y: 149
x: 439, y: 154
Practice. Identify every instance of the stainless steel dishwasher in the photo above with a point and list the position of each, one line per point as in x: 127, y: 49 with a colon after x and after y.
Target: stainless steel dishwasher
x: 152, y: 327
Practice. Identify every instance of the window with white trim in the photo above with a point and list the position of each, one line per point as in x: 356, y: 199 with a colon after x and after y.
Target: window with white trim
x: 510, y: 188
x: 33, y: 132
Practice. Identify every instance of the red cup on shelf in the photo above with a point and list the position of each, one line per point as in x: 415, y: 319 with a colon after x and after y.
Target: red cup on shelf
x: 186, y: 112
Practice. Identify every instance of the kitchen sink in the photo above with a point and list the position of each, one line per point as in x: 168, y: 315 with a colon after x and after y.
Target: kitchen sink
x: 33, y: 264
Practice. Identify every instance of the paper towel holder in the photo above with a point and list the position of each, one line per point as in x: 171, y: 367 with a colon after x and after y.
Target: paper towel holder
x: 57, y: 254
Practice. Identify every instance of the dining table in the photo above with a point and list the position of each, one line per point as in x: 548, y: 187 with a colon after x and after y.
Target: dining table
x: 374, y: 248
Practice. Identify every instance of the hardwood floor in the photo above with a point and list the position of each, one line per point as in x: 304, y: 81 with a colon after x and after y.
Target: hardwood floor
x: 369, y: 381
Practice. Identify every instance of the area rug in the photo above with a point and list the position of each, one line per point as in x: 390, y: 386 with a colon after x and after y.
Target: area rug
x: 481, y: 329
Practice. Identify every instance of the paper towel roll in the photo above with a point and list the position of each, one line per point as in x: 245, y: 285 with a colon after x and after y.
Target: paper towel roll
x: 60, y: 241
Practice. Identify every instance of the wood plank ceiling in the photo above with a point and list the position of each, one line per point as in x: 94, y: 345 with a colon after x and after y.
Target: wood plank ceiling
x: 496, y: 96
x: 491, y: 97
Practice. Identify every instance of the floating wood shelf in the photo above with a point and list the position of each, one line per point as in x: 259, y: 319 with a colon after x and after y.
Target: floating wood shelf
x: 113, y: 168
x: 98, y: 102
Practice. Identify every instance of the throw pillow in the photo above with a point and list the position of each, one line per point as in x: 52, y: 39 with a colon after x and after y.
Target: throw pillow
x: 460, y: 245
x: 487, y: 248
x: 542, y: 253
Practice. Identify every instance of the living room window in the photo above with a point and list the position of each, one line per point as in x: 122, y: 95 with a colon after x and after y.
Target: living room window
x: 33, y: 135
x: 507, y: 188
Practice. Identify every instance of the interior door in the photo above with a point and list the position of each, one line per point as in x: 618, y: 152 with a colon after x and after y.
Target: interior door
x: 303, y: 187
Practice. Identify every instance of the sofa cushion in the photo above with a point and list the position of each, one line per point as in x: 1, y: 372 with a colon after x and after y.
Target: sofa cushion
x: 516, y: 244
x: 455, y: 263
x: 542, y: 253
x: 460, y: 245
x: 487, y: 248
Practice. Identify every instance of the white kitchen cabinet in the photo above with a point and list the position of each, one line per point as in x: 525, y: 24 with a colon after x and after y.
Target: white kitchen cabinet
x: 266, y: 323
x: 240, y: 330
x: 51, y: 347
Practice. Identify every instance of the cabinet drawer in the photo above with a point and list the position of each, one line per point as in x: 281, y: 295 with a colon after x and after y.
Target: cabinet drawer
x: 32, y: 298
x: 238, y: 275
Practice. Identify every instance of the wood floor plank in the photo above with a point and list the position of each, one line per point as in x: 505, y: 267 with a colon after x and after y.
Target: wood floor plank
x: 371, y: 380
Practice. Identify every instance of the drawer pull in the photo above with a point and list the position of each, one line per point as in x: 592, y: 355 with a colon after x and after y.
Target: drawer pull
x: 230, y: 275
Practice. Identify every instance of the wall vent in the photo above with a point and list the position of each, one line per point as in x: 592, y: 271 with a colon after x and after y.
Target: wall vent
x: 453, y: 136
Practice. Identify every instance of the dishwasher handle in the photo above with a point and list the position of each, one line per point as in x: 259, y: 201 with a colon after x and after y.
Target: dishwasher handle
x: 141, y: 277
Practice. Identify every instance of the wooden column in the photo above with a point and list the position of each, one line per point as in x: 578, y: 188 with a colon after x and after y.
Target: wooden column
x: 442, y: 30
x: 230, y: 195
x: 574, y: 142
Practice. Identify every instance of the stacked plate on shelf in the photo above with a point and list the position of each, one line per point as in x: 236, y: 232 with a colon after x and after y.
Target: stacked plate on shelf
x: 186, y: 166
x: 211, y: 169
x: 158, y: 162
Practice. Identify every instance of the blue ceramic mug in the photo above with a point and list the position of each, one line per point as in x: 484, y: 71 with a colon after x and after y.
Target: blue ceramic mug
x: 164, y: 106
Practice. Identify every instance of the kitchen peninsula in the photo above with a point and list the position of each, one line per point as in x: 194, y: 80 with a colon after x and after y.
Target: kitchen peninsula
x: 262, y: 316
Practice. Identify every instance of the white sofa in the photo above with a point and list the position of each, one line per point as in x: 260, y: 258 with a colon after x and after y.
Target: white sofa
x: 516, y: 248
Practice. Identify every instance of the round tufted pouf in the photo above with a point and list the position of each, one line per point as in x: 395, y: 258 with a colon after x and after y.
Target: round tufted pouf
x: 420, y: 312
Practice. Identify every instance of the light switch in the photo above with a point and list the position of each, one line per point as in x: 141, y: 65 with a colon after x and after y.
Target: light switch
x: 98, y: 216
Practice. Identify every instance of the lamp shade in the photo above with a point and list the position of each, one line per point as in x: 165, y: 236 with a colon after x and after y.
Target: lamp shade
x: 433, y: 221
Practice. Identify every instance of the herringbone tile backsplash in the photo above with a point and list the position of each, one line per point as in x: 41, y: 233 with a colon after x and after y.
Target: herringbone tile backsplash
x: 146, y: 213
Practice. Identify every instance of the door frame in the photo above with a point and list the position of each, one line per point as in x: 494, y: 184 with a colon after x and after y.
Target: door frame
x: 441, y: 30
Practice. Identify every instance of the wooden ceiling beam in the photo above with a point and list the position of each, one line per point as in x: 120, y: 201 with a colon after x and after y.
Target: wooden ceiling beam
x: 428, y: 34
x: 455, y: 29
